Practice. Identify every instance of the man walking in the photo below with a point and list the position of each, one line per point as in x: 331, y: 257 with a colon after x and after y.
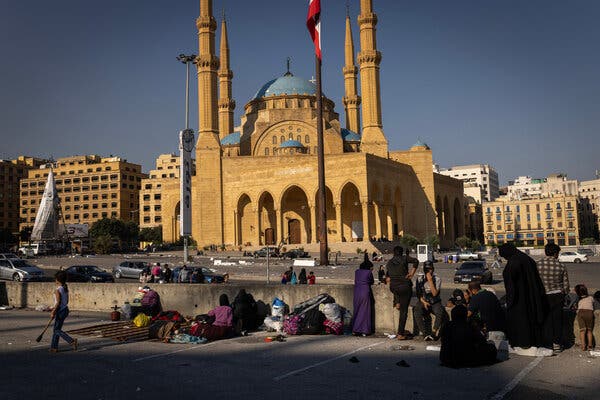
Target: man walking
x: 556, y: 284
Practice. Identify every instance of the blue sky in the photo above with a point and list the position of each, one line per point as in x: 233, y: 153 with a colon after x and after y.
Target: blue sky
x: 510, y: 83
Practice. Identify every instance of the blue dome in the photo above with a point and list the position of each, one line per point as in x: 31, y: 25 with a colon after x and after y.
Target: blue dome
x: 349, y: 136
x: 231, y: 139
x: 420, y: 143
x: 287, y: 84
x: 290, y: 143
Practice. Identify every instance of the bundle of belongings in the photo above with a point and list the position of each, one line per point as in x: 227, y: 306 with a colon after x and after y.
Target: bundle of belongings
x: 274, y: 322
x: 164, y: 324
x: 314, y: 316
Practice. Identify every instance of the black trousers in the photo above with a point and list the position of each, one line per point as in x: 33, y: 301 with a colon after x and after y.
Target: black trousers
x: 423, y: 317
x: 402, y: 295
x: 553, y: 326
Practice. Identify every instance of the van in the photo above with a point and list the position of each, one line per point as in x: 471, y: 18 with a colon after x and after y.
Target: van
x: 33, y: 249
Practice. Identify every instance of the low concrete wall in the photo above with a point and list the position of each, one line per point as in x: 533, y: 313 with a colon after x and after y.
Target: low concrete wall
x: 199, y: 299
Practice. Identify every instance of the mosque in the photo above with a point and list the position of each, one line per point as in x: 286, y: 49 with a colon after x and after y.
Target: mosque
x: 257, y: 184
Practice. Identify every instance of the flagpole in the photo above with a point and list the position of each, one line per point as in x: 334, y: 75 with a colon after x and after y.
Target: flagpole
x: 322, y: 206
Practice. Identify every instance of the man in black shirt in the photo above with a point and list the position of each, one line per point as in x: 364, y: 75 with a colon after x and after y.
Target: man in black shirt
x: 400, y: 281
x: 486, y: 306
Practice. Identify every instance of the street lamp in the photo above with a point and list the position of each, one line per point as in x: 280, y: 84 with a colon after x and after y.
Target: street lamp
x: 186, y: 144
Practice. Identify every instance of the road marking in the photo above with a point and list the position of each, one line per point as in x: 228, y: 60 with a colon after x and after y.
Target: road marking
x: 294, y: 372
x: 512, y: 384
x: 198, y: 346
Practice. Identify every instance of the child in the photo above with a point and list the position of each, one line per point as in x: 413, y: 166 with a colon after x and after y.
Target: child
x: 311, y: 278
x: 60, y: 311
x: 585, y: 317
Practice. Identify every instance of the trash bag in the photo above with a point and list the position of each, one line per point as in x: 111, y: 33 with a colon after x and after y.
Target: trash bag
x: 141, y: 320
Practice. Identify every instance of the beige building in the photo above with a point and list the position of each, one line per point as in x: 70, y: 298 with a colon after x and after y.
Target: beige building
x: 555, y: 184
x: 589, y: 208
x: 475, y: 175
x: 258, y: 185
x: 11, y: 173
x: 163, y: 179
x: 535, y: 222
x: 90, y: 188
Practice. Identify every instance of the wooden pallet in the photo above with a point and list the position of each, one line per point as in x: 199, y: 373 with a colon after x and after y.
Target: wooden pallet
x: 119, y: 331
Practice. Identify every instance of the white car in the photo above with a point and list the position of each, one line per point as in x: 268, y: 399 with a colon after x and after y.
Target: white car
x: 468, y: 256
x: 572, y: 256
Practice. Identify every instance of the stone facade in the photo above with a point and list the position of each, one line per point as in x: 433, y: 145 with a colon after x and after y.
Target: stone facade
x: 258, y: 185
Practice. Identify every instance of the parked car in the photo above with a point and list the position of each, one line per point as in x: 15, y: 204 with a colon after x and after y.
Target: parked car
x: 468, y: 255
x: 473, y: 271
x: 19, y: 270
x: 273, y: 252
x: 572, y: 256
x: 295, y: 253
x: 129, y: 269
x: 208, y: 274
x: 87, y: 273
x: 9, y: 256
x: 587, y: 252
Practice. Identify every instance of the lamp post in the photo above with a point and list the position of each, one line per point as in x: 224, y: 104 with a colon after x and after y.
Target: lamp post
x: 186, y: 144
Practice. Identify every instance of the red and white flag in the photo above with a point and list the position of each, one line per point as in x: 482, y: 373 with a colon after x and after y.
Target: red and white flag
x: 313, y: 22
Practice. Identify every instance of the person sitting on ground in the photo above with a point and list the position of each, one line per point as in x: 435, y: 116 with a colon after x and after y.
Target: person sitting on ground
x: 184, y: 275
x: 167, y: 273
x: 221, y: 327
x: 156, y: 272
x: 311, y: 278
x: 485, y: 306
x: 458, y: 297
x: 585, y: 317
x: 292, y: 275
x: 150, y: 302
x: 462, y: 345
x: 429, y: 302
x: 302, y: 280
x: 244, y: 312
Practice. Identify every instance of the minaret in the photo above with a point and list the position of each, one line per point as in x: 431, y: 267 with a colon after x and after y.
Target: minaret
x: 207, y: 184
x: 226, y: 103
x: 373, y: 139
x: 351, y: 98
x: 208, y: 64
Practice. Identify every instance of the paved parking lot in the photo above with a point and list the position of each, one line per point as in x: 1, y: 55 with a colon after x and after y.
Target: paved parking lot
x: 302, y: 367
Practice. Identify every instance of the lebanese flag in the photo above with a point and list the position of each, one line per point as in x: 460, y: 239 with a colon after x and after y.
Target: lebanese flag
x: 313, y: 23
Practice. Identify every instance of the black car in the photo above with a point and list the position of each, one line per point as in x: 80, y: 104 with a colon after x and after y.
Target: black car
x: 295, y: 253
x: 273, y: 252
x: 473, y: 271
x: 204, y: 275
x: 87, y: 273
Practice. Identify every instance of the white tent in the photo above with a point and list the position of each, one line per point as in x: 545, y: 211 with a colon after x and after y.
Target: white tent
x: 46, y: 220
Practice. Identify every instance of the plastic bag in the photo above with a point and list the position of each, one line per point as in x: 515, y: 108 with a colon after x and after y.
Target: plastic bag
x: 126, y: 311
x: 141, y: 320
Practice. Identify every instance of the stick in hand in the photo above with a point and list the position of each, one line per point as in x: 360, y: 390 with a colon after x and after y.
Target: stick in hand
x: 39, y: 338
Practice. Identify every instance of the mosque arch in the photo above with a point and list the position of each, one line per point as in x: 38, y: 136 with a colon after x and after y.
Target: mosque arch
x: 175, y: 226
x: 457, y: 225
x: 398, y: 214
x: 283, y: 131
x: 267, y: 223
x: 330, y: 210
x: 374, y: 205
x: 296, y: 217
x: 352, y: 213
x: 446, y: 220
x: 245, y: 222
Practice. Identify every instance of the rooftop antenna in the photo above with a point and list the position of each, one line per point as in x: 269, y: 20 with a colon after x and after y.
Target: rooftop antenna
x: 347, y: 8
x: 223, y: 13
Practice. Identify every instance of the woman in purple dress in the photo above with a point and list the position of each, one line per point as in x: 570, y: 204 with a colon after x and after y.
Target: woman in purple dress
x: 364, y: 313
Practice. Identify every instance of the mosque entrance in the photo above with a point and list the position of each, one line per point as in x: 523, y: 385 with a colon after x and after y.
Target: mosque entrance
x: 269, y: 236
x: 294, y: 231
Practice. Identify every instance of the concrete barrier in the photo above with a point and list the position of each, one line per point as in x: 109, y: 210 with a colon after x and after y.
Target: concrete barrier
x: 190, y: 299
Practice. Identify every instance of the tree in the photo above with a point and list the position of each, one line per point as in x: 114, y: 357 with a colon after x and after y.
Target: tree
x: 103, y: 244
x: 475, y: 245
x: 433, y: 241
x: 153, y: 234
x: 588, y: 241
x: 7, y: 239
x: 409, y: 241
x: 116, y: 230
x: 463, y: 242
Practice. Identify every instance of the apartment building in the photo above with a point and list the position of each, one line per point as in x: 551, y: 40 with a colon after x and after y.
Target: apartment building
x: 536, y: 221
x: 11, y: 173
x: 90, y: 188
x: 526, y: 187
x: 482, y: 175
x: 589, y: 208
x: 165, y: 177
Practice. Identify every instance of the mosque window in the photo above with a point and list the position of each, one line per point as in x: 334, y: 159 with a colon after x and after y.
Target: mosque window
x: 267, y: 149
x: 299, y: 138
x: 274, y: 139
x: 307, y: 139
x: 291, y: 136
x: 274, y: 149
x: 282, y: 139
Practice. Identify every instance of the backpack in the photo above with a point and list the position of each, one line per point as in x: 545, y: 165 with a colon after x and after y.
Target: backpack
x: 312, y: 323
x: 141, y: 320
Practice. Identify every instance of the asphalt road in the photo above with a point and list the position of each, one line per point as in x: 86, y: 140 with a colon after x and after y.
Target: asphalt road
x: 302, y: 367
